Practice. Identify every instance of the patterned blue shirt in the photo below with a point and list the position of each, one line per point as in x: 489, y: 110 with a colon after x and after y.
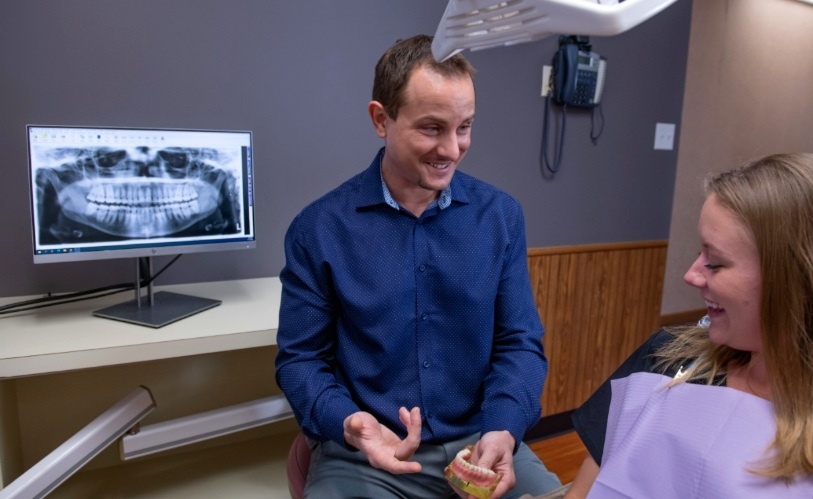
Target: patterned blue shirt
x: 381, y: 309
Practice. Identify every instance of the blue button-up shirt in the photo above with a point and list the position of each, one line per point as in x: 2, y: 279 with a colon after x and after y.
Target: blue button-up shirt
x: 381, y: 309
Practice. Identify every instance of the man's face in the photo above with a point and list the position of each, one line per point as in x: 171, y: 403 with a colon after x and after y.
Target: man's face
x: 431, y: 135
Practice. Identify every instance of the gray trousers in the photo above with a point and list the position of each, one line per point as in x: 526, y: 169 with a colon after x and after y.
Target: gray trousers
x: 338, y: 473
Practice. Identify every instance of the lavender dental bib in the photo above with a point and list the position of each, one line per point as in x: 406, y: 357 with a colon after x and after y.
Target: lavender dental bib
x: 690, y: 441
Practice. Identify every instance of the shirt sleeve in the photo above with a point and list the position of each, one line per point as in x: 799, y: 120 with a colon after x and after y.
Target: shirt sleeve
x: 306, y: 339
x: 590, y: 420
x: 514, y: 384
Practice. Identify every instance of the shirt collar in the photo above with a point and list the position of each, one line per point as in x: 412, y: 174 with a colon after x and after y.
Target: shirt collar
x: 443, y: 201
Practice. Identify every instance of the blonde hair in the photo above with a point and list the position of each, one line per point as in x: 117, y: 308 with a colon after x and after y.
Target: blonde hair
x: 773, y: 196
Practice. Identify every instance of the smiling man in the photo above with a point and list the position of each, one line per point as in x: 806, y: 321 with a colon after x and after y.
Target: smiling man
x: 408, y: 328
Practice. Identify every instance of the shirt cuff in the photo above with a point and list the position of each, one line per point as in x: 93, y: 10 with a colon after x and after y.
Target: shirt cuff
x: 505, y: 418
x: 330, y: 411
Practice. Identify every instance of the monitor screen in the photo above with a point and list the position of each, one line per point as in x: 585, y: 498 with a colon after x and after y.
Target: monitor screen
x: 103, y: 192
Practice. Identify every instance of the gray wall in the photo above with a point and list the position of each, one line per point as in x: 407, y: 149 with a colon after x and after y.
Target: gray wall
x: 721, y: 132
x: 299, y: 74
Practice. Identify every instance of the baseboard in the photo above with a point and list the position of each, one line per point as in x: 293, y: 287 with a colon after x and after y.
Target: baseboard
x: 550, y: 426
x: 682, y: 317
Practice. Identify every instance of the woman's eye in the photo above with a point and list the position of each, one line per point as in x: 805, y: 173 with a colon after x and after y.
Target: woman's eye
x: 712, y: 267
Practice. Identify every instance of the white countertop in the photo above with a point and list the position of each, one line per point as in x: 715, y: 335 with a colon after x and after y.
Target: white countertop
x: 68, y: 337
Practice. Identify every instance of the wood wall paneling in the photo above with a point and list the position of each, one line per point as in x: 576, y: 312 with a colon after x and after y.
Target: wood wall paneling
x: 598, y: 303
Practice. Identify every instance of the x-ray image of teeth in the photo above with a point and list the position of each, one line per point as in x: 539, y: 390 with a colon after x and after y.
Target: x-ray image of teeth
x: 100, y: 194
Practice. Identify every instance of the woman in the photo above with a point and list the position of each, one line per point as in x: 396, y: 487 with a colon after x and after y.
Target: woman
x: 724, y: 408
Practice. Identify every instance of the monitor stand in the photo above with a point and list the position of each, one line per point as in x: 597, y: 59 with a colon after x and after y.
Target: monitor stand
x: 155, y: 309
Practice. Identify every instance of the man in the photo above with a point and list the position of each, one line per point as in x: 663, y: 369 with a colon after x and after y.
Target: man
x: 408, y: 328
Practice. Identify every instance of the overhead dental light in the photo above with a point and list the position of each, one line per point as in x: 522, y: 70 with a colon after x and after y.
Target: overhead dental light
x: 481, y: 24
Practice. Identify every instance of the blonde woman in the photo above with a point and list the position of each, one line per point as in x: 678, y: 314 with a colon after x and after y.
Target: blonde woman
x: 724, y: 408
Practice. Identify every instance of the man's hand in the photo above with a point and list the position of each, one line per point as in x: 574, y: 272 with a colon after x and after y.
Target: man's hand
x: 495, y: 451
x: 382, y: 447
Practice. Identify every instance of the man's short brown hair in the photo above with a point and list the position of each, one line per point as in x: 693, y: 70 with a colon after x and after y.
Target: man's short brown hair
x: 395, y: 66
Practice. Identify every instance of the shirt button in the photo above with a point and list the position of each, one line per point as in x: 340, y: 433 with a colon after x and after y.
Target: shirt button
x: 422, y: 268
x: 426, y: 363
x: 423, y: 317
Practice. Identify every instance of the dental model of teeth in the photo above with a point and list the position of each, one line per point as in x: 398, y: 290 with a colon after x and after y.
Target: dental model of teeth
x: 472, y: 479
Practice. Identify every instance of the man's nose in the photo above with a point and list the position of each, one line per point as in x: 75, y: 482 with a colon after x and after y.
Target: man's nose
x: 449, y: 146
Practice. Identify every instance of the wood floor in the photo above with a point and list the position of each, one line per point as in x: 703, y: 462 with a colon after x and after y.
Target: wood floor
x: 562, y: 454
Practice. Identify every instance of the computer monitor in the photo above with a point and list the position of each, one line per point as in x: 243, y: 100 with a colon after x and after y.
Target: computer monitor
x: 105, y: 192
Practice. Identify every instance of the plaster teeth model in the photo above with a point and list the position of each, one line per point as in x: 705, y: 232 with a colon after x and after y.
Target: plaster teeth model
x: 472, y: 479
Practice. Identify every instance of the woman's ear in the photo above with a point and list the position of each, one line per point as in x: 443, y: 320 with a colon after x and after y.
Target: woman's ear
x: 379, y: 117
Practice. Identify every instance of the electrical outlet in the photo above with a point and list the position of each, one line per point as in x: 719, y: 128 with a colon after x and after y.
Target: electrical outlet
x: 664, y: 136
x: 546, y: 80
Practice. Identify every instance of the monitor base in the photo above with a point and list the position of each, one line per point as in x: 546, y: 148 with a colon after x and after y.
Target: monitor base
x: 167, y: 307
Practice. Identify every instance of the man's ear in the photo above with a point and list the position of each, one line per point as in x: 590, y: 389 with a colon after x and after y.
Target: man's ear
x: 379, y: 118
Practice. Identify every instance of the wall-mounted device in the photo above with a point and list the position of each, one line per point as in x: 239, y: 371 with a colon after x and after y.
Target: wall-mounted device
x: 576, y: 80
x: 578, y: 73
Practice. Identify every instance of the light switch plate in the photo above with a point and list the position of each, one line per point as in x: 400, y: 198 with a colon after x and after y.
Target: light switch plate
x: 546, y: 80
x: 664, y: 136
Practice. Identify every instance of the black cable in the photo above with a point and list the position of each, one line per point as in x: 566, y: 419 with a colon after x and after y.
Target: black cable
x: 53, y: 300
x: 544, y: 153
x: 593, y: 136
x: 18, y: 307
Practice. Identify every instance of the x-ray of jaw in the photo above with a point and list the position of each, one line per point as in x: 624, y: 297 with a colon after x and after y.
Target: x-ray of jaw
x: 96, y: 194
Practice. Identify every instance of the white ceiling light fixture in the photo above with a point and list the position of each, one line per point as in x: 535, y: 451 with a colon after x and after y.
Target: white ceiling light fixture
x: 481, y: 24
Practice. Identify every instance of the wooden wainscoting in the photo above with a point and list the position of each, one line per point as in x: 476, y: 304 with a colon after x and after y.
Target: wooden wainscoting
x: 598, y: 302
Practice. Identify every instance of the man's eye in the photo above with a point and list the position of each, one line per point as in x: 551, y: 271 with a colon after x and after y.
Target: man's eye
x: 712, y: 267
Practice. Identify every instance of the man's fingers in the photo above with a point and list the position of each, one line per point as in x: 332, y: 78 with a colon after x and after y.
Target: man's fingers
x: 405, y: 450
x: 412, y: 420
x: 397, y: 467
x: 404, y: 467
x: 383, y: 448
x: 413, y: 423
x: 356, y: 423
x: 485, y: 459
x: 354, y: 430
